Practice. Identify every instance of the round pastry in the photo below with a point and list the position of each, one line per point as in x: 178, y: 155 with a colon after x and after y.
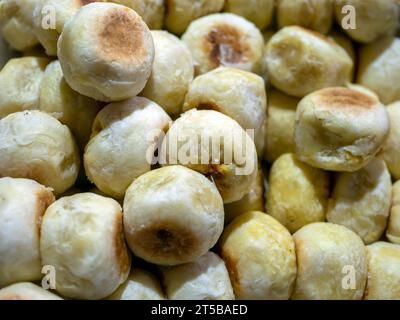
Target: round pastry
x: 373, y: 18
x: 20, y: 81
x: 225, y: 39
x: 215, y: 145
x: 26, y: 291
x: 206, y: 278
x: 361, y: 200
x: 281, y: 115
x: 140, y: 285
x: 106, y: 52
x: 172, y: 215
x: 340, y: 129
x: 35, y: 145
x: 379, y: 69
x: 393, y: 230
x: 253, y: 201
x: 90, y: 256
x: 316, y: 15
x: 151, y: 11
x: 260, y: 12
x: 259, y: 254
x: 180, y: 13
x: 22, y: 205
x: 68, y: 106
x: 16, y: 23
x: 301, y: 61
x: 331, y: 262
x: 297, y: 193
x: 124, y: 135
x: 362, y: 89
x: 238, y: 94
x: 173, y: 70
x: 383, y: 272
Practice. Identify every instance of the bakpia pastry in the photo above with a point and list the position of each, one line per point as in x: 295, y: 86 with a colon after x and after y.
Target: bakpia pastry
x: 37, y: 146
x: 259, y: 254
x: 238, y: 94
x: 225, y: 39
x: 140, y: 285
x: 206, y: 278
x: 217, y: 147
x: 124, y: 138
x: 172, y: 72
x: 340, y: 129
x: 23, y: 203
x: 20, y: 82
x: 301, y: 61
x: 106, y: 52
x: 297, y: 193
x: 172, y: 215
x: 180, y: 13
x: 91, y: 259
x: 361, y: 200
x: 326, y: 253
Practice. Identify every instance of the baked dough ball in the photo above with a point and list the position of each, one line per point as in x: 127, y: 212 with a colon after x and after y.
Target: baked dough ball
x: 124, y: 135
x: 26, y: 291
x: 172, y: 215
x: 383, y: 272
x: 63, y: 10
x: 297, y: 193
x: 22, y: 204
x: 361, y: 200
x: 393, y: 230
x: 259, y: 254
x: 379, y: 69
x: 374, y: 18
x: 391, y: 149
x: 180, y: 13
x: 253, y: 201
x: 238, y: 94
x: 68, y: 106
x: 20, y: 81
x: 316, y: 15
x: 151, y: 11
x: 16, y: 22
x: 260, y: 12
x: 301, y: 61
x: 281, y: 115
x: 225, y: 39
x: 326, y: 254
x: 140, y: 285
x: 362, y: 89
x: 215, y: 145
x: 173, y: 70
x: 37, y: 146
x: 90, y: 256
x: 206, y: 278
x: 5, y: 52
x: 106, y: 52
x: 339, y: 129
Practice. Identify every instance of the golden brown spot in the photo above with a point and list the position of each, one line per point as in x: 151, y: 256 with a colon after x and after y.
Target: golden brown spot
x: 232, y: 266
x: 121, y: 36
x: 346, y: 98
x: 44, y: 199
x: 224, y: 45
x: 121, y: 251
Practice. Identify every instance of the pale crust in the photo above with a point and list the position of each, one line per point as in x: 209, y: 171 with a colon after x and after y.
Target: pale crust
x: 90, y: 258
x: 172, y: 215
x: 26, y: 291
x: 323, y: 252
x: 23, y: 203
x: 340, y: 129
x: 37, y: 146
x: 225, y: 39
x: 106, y: 52
x: 259, y: 255
x: 206, y: 278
